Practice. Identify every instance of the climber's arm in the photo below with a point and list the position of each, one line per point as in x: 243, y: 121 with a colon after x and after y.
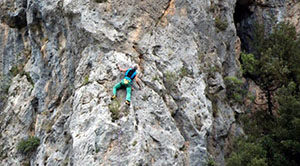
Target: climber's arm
x: 137, y: 80
x: 121, y: 69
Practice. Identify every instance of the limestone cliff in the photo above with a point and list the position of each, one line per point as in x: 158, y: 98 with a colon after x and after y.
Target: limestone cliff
x: 59, y: 63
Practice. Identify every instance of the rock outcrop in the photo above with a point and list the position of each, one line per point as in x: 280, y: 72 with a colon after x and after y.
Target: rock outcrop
x: 263, y: 12
x: 59, y: 63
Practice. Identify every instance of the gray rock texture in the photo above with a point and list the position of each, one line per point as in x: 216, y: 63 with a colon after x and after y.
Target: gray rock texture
x: 263, y: 12
x: 59, y: 64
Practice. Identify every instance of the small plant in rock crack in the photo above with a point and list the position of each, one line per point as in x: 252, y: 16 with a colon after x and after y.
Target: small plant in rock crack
x: 184, y: 71
x: 29, y: 79
x: 114, y: 109
x: 15, y: 70
x: 170, y: 79
x: 26, y: 146
x: 155, y: 78
x: 86, y: 80
x: 134, y: 143
x: 97, y: 150
x: 220, y: 24
x: 145, y: 97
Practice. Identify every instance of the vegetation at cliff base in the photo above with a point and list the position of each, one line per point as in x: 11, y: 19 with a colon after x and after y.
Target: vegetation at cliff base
x: 273, y: 129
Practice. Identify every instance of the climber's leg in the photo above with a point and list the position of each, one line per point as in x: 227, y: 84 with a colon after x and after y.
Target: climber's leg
x: 128, y: 94
x: 116, y: 87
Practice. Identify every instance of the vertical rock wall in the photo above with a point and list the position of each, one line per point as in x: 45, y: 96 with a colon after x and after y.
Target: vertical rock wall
x: 65, y: 54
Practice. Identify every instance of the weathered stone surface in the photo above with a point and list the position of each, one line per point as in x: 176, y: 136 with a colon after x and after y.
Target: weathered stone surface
x: 264, y: 12
x: 16, y: 19
x: 293, y: 15
x: 67, y: 57
x: 17, y: 119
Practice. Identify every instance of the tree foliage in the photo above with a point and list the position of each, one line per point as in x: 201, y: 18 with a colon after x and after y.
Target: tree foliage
x: 274, y: 65
x: 275, y: 60
x: 234, y: 89
x: 248, y: 154
x: 276, y: 141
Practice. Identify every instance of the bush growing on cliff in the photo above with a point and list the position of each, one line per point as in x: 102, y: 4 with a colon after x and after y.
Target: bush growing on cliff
x: 26, y: 146
x: 169, y: 80
x: 114, y: 109
x: 19, y: 69
x: 220, y: 24
x: 234, y: 89
x: 15, y: 70
x: 85, y: 80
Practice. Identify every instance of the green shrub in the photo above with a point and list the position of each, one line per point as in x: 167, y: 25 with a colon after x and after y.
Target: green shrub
x: 29, y: 79
x: 170, y: 76
x: 210, y: 162
x: 86, y: 80
x: 170, y: 79
x: 274, y: 61
x: 25, y: 163
x: 184, y: 71
x: 97, y: 150
x: 272, y: 139
x: 15, y: 70
x: 220, y: 24
x: 247, y: 154
x: 114, y: 108
x: 134, y: 143
x: 19, y: 69
x: 234, y: 89
x: 155, y: 78
x: 248, y: 63
x: 213, y: 69
x: 26, y: 146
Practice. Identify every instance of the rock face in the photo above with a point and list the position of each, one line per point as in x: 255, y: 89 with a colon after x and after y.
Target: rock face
x: 293, y: 15
x: 264, y: 12
x: 59, y: 63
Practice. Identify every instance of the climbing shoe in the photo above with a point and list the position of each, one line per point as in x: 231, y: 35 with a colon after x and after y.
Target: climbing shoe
x: 113, y: 97
x: 127, y: 102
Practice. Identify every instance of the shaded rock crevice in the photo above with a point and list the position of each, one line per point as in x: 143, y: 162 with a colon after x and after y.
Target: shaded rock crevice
x: 242, y: 20
x: 16, y: 19
x: 249, y: 13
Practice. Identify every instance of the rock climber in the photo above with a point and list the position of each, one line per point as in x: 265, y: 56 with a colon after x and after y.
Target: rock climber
x: 130, y: 75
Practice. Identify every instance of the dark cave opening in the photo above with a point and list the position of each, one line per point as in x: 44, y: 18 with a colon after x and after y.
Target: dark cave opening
x: 244, y: 23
